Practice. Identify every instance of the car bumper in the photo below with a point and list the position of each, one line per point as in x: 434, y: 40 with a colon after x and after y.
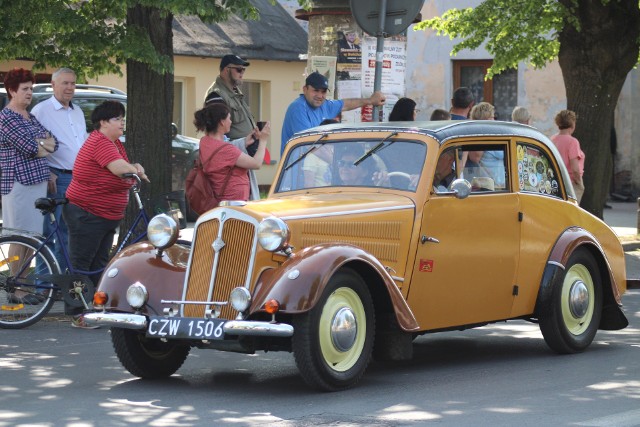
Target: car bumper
x: 232, y: 327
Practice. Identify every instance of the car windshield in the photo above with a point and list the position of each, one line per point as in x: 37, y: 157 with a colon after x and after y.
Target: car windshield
x: 335, y: 164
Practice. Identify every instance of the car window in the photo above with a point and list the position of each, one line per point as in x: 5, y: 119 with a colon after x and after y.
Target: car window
x: 397, y: 164
x: 536, y: 172
x: 446, y: 170
x: 485, y: 167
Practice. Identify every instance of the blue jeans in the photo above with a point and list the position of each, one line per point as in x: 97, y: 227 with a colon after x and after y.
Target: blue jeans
x: 62, y: 183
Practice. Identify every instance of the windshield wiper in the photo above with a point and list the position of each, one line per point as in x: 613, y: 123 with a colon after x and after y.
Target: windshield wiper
x: 314, y: 147
x: 375, y: 149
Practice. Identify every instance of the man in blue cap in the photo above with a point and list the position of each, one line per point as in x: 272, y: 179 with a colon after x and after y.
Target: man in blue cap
x: 312, y: 106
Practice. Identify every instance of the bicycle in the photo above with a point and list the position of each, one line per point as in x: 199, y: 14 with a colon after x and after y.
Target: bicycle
x: 37, y: 272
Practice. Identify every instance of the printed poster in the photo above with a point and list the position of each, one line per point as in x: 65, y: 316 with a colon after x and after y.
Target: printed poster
x: 325, y: 65
x: 394, y: 62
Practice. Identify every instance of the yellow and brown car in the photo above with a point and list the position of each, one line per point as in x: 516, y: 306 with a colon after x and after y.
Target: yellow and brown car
x: 371, y: 235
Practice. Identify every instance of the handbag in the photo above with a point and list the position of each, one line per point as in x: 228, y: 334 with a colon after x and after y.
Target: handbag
x: 198, y: 189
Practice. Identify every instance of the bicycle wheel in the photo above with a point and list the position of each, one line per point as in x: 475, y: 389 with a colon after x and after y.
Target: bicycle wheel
x: 24, y: 296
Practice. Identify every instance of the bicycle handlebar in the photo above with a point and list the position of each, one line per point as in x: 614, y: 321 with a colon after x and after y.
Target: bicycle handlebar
x: 132, y: 175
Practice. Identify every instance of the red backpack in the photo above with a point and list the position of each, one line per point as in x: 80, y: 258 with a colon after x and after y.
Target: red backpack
x: 199, y: 190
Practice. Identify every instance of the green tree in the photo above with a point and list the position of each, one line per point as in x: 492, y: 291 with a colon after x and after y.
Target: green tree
x: 597, y: 43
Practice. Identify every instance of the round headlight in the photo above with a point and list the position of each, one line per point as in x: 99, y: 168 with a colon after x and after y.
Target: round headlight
x: 273, y: 234
x: 240, y: 299
x: 137, y: 295
x: 162, y: 231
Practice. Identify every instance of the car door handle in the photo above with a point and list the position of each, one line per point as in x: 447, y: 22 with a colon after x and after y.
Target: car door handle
x: 425, y: 239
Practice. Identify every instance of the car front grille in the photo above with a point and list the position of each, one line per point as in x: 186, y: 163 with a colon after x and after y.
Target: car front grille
x: 222, y: 259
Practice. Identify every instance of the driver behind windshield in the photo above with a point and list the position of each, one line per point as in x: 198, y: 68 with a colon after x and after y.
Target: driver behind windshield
x: 356, y: 175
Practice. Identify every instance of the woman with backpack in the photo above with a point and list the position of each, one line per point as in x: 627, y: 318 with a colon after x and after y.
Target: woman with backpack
x: 224, y: 165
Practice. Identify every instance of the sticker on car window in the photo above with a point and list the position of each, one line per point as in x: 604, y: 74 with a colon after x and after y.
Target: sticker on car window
x: 535, y: 172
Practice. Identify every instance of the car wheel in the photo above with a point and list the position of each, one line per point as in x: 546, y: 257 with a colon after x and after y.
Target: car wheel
x: 332, y: 343
x: 147, y: 358
x: 570, y: 313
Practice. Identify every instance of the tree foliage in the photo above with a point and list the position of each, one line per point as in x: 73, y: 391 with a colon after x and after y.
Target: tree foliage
x: 596, y: 42
x: 92, y: 36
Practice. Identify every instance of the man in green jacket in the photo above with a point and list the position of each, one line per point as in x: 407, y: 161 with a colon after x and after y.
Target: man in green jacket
x: 227, y: 85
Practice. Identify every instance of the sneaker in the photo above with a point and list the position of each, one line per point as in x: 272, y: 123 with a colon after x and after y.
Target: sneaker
x: 78, y: 322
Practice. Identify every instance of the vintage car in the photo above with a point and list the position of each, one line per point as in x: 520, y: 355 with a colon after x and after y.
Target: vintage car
x: 371, y: 235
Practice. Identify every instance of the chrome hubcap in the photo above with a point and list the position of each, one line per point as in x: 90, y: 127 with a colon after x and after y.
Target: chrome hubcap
x: 344, y: 329
x: 578, y: 299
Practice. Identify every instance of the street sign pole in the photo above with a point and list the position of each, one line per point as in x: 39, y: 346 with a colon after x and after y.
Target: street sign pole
x: 377, y: 79
x: 374, y: 18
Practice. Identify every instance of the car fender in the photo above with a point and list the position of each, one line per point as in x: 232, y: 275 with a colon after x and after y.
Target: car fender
x: 299, y: 282
x: 571, y: 239
x: 163, y: 275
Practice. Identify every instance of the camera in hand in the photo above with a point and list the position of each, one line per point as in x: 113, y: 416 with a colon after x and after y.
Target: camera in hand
x: 253, y: 148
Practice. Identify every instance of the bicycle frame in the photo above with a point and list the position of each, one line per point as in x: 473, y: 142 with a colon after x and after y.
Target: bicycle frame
x: 141, y: 216
x: 39, y: 273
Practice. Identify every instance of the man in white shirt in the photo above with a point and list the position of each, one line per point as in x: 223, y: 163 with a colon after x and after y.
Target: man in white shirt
x: 67, y: 123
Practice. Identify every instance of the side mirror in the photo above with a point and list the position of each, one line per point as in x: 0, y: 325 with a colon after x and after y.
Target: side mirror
x: 174, y: 130
x: 461, y: 188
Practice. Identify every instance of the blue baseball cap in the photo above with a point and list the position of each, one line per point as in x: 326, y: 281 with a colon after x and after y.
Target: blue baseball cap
x: 317, y: 80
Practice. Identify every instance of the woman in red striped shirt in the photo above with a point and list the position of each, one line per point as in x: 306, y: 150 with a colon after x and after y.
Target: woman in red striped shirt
x: 98, y: 196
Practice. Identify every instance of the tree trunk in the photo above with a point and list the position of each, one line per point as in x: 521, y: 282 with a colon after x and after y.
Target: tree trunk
x: 595, y: 60
x: 150, y: 99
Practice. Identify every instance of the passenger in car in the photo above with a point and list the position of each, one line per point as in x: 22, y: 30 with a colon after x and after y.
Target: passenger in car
x: 486, y: 163
x: 316, y: 167
x: 445, y: 173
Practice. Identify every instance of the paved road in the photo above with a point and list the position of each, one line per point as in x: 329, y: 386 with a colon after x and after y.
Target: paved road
x: 499, y: 375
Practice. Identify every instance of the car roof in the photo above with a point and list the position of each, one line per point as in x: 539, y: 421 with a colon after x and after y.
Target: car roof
x: 80, y: 88
x: 441, y: 130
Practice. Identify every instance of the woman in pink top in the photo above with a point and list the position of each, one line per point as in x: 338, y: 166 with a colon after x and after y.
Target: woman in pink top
x: 569, y: 148
x: 227, y: 169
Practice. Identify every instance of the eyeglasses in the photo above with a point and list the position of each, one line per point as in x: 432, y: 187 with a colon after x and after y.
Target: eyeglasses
x: 239, y: 69
x: 346, y: 164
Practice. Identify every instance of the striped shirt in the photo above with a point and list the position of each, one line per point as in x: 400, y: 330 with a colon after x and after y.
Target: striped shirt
x: 18, y: 150
x: 93, y: 187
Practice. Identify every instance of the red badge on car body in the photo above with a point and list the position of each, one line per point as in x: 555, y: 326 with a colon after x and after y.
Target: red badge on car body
x: 426, y: 265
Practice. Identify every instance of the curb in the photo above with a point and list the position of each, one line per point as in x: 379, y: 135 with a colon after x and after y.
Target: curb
x: 630, y: 245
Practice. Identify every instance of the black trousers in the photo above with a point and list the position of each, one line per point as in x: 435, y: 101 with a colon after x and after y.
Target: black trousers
x: 90, y: 239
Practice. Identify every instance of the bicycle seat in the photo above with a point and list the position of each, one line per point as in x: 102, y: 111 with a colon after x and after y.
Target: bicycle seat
x: 48, y: 204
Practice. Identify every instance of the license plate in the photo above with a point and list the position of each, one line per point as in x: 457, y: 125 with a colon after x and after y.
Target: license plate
x: 185, y: 327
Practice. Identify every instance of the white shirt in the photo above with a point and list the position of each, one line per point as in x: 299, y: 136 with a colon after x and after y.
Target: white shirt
x: 67, y: 125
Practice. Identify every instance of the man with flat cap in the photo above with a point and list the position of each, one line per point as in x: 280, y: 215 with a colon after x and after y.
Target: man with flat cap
x: 312, y: 106
x: 227, y: 86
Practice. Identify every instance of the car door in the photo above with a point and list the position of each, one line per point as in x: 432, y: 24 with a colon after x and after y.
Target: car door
x: 467, y: 260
